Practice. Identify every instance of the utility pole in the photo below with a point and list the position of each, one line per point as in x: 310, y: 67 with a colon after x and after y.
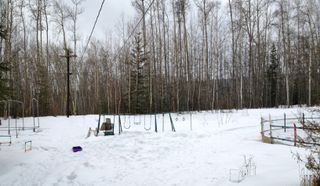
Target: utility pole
x: 68, y: 56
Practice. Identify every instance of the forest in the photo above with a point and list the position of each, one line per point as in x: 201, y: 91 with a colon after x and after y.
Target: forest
x: 173, y: 56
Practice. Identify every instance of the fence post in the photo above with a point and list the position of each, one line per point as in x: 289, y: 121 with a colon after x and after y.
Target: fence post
x: 270, y: 122
x: 295, y: 134
x: 285, y: 122
x: 303, y: 121
x: 262, y: 130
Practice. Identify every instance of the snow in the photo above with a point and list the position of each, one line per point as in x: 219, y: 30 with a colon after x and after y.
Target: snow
x: 218, y: 142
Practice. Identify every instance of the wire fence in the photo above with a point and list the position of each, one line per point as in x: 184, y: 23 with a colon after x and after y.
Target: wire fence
x: 289, y: 131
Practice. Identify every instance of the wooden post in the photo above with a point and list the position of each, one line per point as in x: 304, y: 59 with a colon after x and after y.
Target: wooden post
x: 270, y: 122
x: 303, y: 121
x: 285, y: 122
x: 262, y: 128
x: 68, y: 81
x: 68, y: 56
x: 295, y: 134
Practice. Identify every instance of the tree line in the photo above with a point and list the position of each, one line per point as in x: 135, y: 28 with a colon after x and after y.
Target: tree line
x: 175, y: 55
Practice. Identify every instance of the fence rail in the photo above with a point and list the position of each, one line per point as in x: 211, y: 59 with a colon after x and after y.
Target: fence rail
x: 290, y: 128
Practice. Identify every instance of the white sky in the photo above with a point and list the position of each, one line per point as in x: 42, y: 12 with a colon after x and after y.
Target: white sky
x: 110, y: 16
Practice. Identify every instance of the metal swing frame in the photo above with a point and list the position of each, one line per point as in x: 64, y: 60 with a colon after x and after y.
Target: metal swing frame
x: 144, y: 123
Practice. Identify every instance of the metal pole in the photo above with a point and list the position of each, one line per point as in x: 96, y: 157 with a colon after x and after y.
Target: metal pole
x: 120, y: 127
x: 155, y: 123
x: 172, y: 125
x: 8, y: 118
x: 34, y: 101
x: 98, y: 124
x: 15, y: 123
x: 22, y: 116
x: 191, y: 121
x: 38, y: 114
x: 162, y: 122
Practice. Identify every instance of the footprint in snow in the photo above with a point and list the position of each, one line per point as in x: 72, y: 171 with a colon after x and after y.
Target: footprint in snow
x: 88, y: 165
x: 72, y: 176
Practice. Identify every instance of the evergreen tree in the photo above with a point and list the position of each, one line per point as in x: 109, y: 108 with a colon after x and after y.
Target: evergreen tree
x: 43, y: 89
x: 272, y: 74
x: 138, y: 92
x: 4, y: 90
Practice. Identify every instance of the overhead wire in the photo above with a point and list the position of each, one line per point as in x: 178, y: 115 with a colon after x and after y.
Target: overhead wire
x: 134, y: 29
x: 92, y: 30
x: 126, y: 41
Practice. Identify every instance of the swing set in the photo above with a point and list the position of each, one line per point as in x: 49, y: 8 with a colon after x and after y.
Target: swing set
x: 130, y: 121
x: 126, y: 122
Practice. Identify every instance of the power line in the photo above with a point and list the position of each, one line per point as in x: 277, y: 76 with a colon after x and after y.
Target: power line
x: 126, y: 41
x: 94, y: 26
x: 134, y: 29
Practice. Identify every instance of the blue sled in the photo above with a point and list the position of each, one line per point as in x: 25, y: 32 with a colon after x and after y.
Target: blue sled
x: 76, y: 149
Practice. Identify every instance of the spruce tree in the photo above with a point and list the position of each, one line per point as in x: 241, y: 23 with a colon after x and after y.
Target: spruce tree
x: 138, y: 78
x: 272, y: 74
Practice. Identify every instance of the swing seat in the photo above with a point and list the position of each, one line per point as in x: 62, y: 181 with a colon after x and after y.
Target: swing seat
x: 107, y: 127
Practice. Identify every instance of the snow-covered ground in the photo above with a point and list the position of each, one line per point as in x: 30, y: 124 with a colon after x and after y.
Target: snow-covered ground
x: 218, y: 142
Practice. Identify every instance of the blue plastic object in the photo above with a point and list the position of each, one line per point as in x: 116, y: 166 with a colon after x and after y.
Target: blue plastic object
x: 76, y: 149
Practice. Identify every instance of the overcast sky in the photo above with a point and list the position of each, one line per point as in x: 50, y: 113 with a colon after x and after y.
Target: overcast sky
x: 110, y: 16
